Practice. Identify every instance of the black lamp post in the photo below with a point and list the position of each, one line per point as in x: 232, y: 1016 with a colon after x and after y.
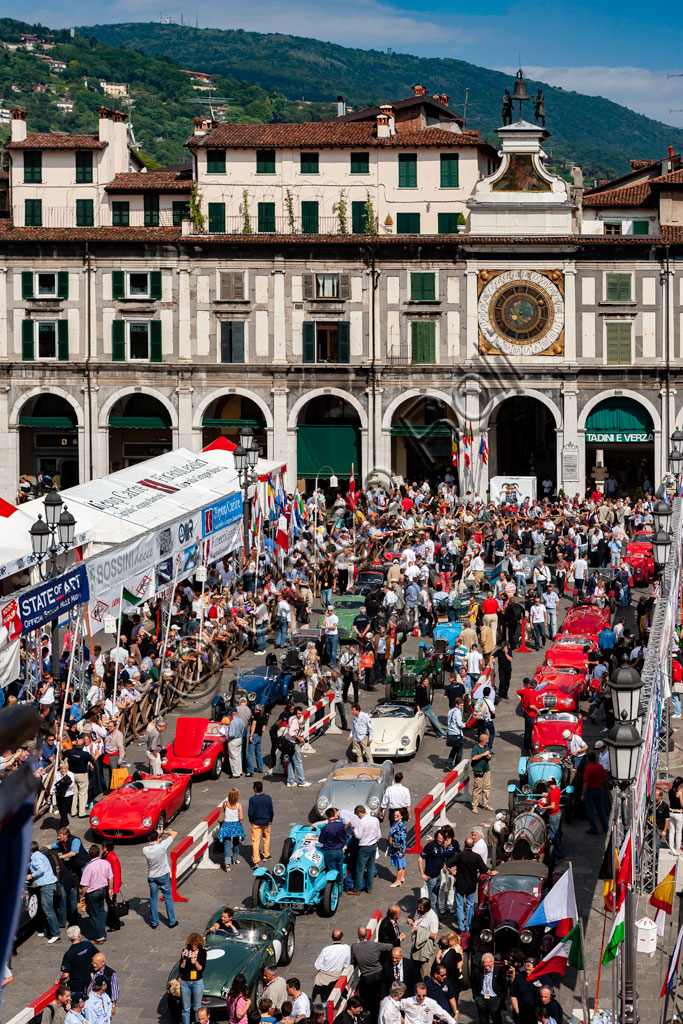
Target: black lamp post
x: 246, y: 456
x: 53, y: 534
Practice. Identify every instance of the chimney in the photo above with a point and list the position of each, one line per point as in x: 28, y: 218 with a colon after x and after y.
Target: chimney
x: 119, y: 129
x: 383, y: 131
x: 202, y: 125
x: 441, y: 97
x: 105, y: 129
x: 18, y: 125
x: 419, y: 90
x: 341, y: 106
x: 386, y: 110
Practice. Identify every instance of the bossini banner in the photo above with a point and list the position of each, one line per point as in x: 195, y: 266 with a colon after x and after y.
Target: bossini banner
x: 125, y: 573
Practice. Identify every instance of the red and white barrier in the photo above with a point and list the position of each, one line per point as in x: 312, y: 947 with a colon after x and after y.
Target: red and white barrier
x: 26, y: 1015
x: 317, y: 717
x: 193, y: 851
x: 453, y: 787
x: 345, y: 986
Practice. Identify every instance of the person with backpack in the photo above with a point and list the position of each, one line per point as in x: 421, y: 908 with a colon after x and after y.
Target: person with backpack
x: 485, y: 712
x: 55, y: 1012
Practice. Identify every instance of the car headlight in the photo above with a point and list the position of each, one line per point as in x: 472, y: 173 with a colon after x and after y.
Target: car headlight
x: 313, y: 871
x: 164, y: 760
x: 206, y: 763
x: 373, y: 803
x: 526, y: 936
x: 279, y: 870
x: 252, y: 695
x: 508, y: 847
x: 146, y: 822
x: 323, y: 803
x: 405, y: 740
x: 94, y: 821
x: 486, y: 935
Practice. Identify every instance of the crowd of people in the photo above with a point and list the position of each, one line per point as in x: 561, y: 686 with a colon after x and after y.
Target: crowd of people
x: 435, y: 552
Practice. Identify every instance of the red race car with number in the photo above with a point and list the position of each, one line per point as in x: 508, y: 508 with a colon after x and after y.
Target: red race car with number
x: 639, y: 557
x: 144, y: 802
x: 558, y: 689
x: 549, y: 726
x: 199, y: 748
x: 586, y: 620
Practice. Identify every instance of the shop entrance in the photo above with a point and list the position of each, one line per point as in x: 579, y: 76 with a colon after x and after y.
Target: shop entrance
x: 526, y: 440
x: 422, y: 432
x: 619, y: 436
x: 48, y: 441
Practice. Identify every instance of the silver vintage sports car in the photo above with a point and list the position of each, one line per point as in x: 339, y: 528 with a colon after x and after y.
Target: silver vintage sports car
x: 350, y: 784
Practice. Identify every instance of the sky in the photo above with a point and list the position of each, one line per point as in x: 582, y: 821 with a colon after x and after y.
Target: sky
x: 605, y: 49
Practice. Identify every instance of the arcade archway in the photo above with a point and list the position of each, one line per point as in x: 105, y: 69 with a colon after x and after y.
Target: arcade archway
x: 525, y: 440
x: 229, y: 414
x: 48, y: 440
x: 328, y: 435
x: 139, y: 429
x: 422, y: 431
x: 620, y: 449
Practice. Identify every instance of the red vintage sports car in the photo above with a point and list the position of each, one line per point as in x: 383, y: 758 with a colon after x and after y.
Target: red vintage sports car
x: 144, y: 802
x: 639, y: 557
x: 199, y: 748
x: 558, y: 689
x: 549, y: 726
x: 586, y: 620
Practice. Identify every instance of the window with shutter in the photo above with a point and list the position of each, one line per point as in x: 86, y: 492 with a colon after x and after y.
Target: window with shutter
x: 310, y: 163
x: 27, y: 284
x: 359, y: 217
x: 180, y: 212
x: 265, y: 161
x: 46, y: 285
x: 232, y: 341
x: 345, y: 287
x: 47, y: 339
x: 308, y: 349
x: 266, y: 217
x: 360, y: 163
x: 138, y: 284
x: 33, y: 167
x: 216, y: 218
x: 618, y: 287
x: 27, y: 343
x: 118, y: 284
x: 450, y: 170
x: 308, y: 285
x: 344, y: 341
x: 309, y: 218
x: 85, y: 213
x: 155, y: 355
x: 155, y: 284
x: 422, y: 287
x: 63, y: 284
x: 118, y: 340
x: 641, y: 227
x: 33, y: 213
x: 215, y: 161
x: 151, y: 211
x: 612, y: 227
x: 138, y: 339
x: 63, y: 340
x: 408, y: 223
x: 618, y: 338
x: 83, y: 168
x: 448, y: 223
x: 120, y: 214
x: 232, y: 285
x: 327, y: 286
x: 423, y: 341
x: 407, y: 170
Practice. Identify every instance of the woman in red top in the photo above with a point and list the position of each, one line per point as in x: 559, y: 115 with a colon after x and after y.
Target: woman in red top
x: 113, y: 922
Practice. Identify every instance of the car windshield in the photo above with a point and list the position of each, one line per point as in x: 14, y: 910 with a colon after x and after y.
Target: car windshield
x: 347, y: 602
x: 553, y: 748
x: 349, y: 772
x: 392, y: 711
x: 249, y: 931
x: 529, y: 884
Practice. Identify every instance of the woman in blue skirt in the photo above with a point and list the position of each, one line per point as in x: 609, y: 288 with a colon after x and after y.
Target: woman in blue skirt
x: 398, y: 838
x: 231, y: 831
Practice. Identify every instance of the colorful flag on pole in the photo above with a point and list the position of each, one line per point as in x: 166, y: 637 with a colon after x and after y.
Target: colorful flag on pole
x: 617, y: 936
x: 352, y: 490
x: 270, y: 499
x: 568, y: 951
x: 282, y: 536
x: 663, y: 895
x: 674, y: 962
x: 454, y: 452
x: 466, y: 444
x: 625, y: 868
x: 484, y: 449
x: 470, y: 435
x: 558, y: 905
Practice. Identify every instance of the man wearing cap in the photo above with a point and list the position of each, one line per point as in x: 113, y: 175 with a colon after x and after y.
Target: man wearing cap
x: 153, y: 745
x: 603, y: 754
x: 577, y: 748
x: 526, y: 696
x: 75, y: 1014
x: 97, y: 1008
x: 550, y: 805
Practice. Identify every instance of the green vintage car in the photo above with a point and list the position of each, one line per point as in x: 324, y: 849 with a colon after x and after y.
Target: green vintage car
x: 402, y: 683
x: 346, y: 607
x: 266, y: 938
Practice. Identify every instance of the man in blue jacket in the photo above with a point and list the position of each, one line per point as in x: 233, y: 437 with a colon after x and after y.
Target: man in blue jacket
x: 260, y: 813
x: 332, y: 841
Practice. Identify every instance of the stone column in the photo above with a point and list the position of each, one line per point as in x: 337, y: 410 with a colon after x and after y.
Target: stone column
x: 186, y: 434
x: 279, y: 442
x: 570, y: 314
x: 570, y: 436
x: 3, y: 312
x: 184, y: 315
x: 472, y: 337
x: 279, y: 318
x: 9, y: 466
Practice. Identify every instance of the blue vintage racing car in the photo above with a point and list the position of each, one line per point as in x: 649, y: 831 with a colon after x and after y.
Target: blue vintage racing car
x: 299, y: 881
x: 265, y: 686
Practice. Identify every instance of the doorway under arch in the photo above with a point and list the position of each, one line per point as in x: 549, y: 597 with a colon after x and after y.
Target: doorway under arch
x: 422, y: 431
x: 139, y: 429
x: 526, y: 440
x: 48, y: 440
x: 328, y: 440
x: 228, y: 414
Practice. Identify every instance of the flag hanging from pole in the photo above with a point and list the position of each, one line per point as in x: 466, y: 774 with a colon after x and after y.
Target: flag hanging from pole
x: 559, y: 905
x: 617, y: 936
x: 282, y: 535
x: 466, y: 444
x: 625, y: 869
x: 671, y: 974
x: 663, y: 895
x: 484, y: 449
x: 569, y: 951
x: 454, y: 452
x: 352, y: 490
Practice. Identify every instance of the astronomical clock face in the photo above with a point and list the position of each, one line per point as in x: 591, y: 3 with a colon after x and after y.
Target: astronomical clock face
x: 521, y: 312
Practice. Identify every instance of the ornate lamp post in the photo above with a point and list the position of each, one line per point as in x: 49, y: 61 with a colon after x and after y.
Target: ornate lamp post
x: 333, y: 483
x: 52, y: 535
x: 246, y: 457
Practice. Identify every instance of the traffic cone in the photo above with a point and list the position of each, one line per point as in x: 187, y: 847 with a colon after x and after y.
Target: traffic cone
x: 523, y: 649
x: 416, y: 630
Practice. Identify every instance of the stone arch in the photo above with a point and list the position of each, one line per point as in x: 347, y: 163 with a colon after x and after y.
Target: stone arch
x: 489, y: 414
x: 38, y: 393
x: 108, y: 405
x: 292, y: 420
x: 198, y: 414
x: 636, y: 396
x: 417, y: 393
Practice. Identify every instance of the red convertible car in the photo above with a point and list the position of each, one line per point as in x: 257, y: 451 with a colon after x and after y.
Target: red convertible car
x: 639, y: 557
x: 586, y: 620
x: 199, y: 748
x: 558, y: 689
x: 549, y: 726
x: 141, y: 804
x: 569, y: 656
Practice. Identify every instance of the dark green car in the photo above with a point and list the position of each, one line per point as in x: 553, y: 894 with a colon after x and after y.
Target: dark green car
x: 266, y: 939
x: 407, y: 673
x: 346, y: 608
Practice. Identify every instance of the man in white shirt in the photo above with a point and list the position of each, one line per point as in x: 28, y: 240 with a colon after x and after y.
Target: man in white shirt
x: 576, y: 746
x: 396, y: 798
x: 330, y: 628
x: 331, y: 963
x: 301, y: 1004
x: 541, y: 577
x: 477, y: 568
x: 390, y: 1011
x: 368, y: 834
x: 538, y: 619
x: 420, y: 1009
x: 580, y: 568
x: 362, y: 731
x: 282, y: 620
x: 480, y: 845
x: 475, y: 661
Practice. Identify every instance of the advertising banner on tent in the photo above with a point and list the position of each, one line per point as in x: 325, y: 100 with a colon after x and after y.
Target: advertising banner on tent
x: 223, y: 542
x: 50, y: 600
x: 190, y: 559
x: 179, y: 536
x: 121, y: 564
x: 221, y: 514
x: 134, y: 591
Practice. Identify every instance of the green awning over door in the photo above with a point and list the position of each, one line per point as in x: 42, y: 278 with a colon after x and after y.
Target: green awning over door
x: 325, y: 445
x: 619, y: 420
x: 48, y: 422
x: 139, y: 422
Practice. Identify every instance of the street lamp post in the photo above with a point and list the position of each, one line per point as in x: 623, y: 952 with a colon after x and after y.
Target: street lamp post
x: 333, y: 483
x: 246, y: 457
x: 49, y: 537
x: 624, y: 742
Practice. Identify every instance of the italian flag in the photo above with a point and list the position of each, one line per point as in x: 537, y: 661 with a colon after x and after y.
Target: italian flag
x: 617, y: 936
x: 568, y: 951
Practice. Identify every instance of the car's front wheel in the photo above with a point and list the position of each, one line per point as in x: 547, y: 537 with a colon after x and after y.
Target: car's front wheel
x: 217, y: 767
x: 187, y: 796
x: 288, y: 950
x: 161, y: 822
x: 330, y: 899
x: 261, y: 891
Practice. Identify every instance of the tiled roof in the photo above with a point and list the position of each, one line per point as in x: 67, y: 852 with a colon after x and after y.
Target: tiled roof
x: 325, y: 135
x: 674, y: 178
x: 152, y: 181
x: 629, y: 195
x: 108, y: 234
x: 58, y: 140
x: 412, y: 101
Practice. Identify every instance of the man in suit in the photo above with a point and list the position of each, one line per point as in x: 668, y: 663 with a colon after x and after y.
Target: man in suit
x: 389, y: 930
x: 399, y: 968
x: 489, y: 988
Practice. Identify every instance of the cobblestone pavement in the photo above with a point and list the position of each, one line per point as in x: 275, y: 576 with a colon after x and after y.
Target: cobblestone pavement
x: 144, y: 957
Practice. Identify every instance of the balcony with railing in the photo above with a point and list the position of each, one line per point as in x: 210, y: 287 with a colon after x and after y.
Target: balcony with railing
x: 66, y: 217
x: 275, y: 225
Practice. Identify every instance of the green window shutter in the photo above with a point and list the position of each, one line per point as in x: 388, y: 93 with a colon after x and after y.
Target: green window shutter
x: 450, y: 170
x: 408, y: 223
x: 63, y: 340
x: 309, y: 218
x: 27, y: 284
x: 27, y: 343
x: 33, y: 167
x: 237, y: 341
x: 448, y: 223
x: 120, y: 215
x: 407, y: 170
x: 83, y: 168
x: 641, y: 227
x: 33, y: 213
x: 359, y: 217
x: 118, y: 340
x: 360, y: 163
x: 344, y: 287
x: 618, y: 337
x: 118, y: 284
x: 215, y: 161
x: 423, y: 341
x: 181, y: 212
x: 155, y: 341
x: 308, y: 353
x: 63, y: 284
x: 265, y: 161
x: 618, y: 287
x: 266, y: 217
x: 344, y: 341
x: 85, y: 213
x: 423, y: 287
x: 151, y: 217
x: 308, y: 286
x: 155, y: 284
x: 217, y: 218
x: 310, y: 163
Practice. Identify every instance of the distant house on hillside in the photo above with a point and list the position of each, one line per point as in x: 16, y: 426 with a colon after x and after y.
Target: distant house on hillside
x: 118, y: 89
